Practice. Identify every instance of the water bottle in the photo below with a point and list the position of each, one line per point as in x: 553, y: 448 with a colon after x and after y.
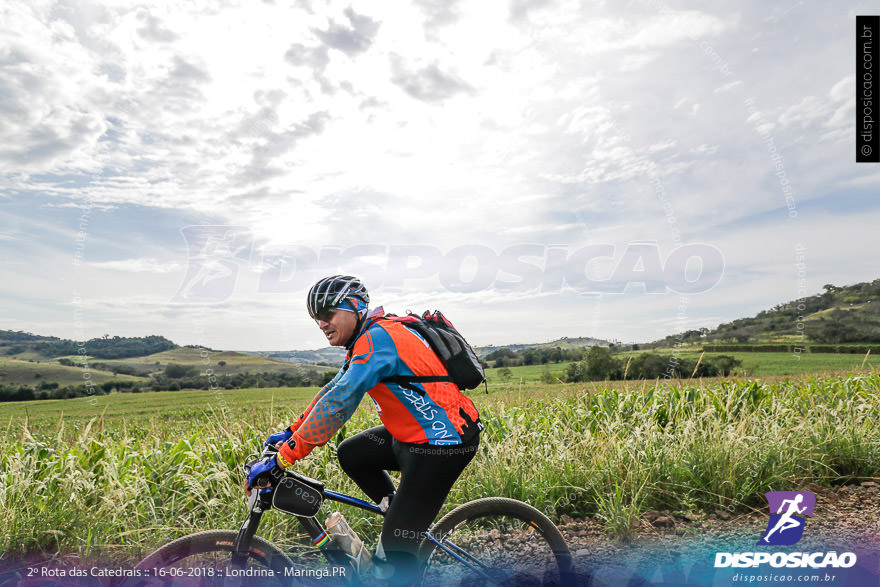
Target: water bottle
x: 348, y: 541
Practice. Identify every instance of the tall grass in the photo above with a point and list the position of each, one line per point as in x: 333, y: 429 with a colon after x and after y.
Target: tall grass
x: 117, y: 491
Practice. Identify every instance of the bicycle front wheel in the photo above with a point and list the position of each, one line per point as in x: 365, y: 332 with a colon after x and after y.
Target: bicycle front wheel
x: 205, y: 559
x: 496, y: 541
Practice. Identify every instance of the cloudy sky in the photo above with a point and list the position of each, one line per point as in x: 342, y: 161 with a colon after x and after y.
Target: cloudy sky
x: 536, y: 169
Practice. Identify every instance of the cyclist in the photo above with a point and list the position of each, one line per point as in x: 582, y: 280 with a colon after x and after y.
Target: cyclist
x: 429, y: 432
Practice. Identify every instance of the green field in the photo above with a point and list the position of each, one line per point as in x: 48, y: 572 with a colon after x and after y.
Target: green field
x: 759, y: 364
x: 164, y: 409
x: 753, y: 365
x: 14, y: 371
x: 18, y: 372
x: 234, y: 362
x: 526, y: 373
x: 119, y: 476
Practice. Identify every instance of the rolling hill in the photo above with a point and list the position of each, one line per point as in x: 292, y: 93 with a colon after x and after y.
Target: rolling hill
x: 47, y: 362
x: 334, y: 357
x: 564, y: 343
x: 840, y: 315
x: 24, y: 345
x: 23, y: 372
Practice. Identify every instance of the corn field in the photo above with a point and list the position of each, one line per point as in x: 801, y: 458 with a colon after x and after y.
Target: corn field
x: 117, y: 490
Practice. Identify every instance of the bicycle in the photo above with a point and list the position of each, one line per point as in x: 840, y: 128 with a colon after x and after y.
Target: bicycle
x: 488, y: 541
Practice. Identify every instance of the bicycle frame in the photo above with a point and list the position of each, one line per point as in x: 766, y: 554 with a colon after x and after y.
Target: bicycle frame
x: 314, y: 528
x: 364, y: 505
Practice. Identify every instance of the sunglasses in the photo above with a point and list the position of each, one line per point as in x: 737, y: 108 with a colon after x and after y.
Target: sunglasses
x: 326, y: 315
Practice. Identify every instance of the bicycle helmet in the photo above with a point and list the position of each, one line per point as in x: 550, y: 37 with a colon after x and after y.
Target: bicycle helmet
x: 332, y: 291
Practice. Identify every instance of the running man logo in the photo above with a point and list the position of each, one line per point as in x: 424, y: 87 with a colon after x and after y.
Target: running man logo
x: 786, y: 526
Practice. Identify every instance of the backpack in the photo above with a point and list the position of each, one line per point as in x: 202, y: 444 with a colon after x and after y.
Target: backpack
x: 462, y: 364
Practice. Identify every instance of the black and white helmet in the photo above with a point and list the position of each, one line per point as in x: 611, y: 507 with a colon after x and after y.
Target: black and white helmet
x: 332, y: 291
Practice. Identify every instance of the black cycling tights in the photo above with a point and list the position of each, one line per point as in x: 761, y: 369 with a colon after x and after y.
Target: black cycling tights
x: 427, y: 473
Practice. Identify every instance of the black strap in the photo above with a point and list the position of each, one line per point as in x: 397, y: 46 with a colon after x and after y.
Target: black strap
x: 419, y: 378
x: 408, y: 381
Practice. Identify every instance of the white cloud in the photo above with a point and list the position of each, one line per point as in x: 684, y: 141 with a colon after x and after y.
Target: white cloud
x: 422, y: 123
x: 143, y: 265
x: 729, y: 86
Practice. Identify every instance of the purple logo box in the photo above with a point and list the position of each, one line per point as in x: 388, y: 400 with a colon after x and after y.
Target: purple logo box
x: 776, y: 499
x: 786, y: 524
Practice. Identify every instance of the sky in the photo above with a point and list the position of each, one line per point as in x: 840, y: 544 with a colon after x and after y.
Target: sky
x: 534, y: 169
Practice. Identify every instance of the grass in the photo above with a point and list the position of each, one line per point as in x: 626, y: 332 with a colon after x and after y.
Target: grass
x: 165, y: 410
x: 117, y: 479
x: 235, y: 362
x: 790, y: 364
x: 526, y: 373
x: 753, y: 364
x: 18, y: 372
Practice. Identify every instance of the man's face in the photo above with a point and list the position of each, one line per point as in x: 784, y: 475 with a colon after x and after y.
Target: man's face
x: 337, y: 325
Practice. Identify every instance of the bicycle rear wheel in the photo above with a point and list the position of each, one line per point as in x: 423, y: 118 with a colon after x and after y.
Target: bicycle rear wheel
x: 205, y: 559
x: 496, y: 541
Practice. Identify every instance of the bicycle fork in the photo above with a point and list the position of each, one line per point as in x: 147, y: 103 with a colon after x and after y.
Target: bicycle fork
x: 247, y: 530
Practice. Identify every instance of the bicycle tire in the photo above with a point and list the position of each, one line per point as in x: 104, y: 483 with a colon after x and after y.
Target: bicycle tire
x: 516, y: 544
x: 264, y: 563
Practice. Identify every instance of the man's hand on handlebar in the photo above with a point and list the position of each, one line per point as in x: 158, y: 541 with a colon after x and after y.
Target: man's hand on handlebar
x: 278, y: 437
x: 263, y: 473
x: 267, y: 470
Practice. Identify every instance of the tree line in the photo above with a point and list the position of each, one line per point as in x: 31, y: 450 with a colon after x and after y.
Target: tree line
x: 600, y: 365
x: 532, y: 356
x: 106, y: 347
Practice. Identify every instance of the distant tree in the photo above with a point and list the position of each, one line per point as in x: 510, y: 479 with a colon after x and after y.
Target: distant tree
x: 724, y: 365
x: 601, y: 365
x: 531, y: 357
x: 505, y: 374
x: 575, y: 372
x: 649, y: 366
x: 500, y: 353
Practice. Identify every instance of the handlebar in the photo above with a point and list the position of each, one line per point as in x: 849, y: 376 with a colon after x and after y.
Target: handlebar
x: 262, y: 496
x: 255, y: 458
